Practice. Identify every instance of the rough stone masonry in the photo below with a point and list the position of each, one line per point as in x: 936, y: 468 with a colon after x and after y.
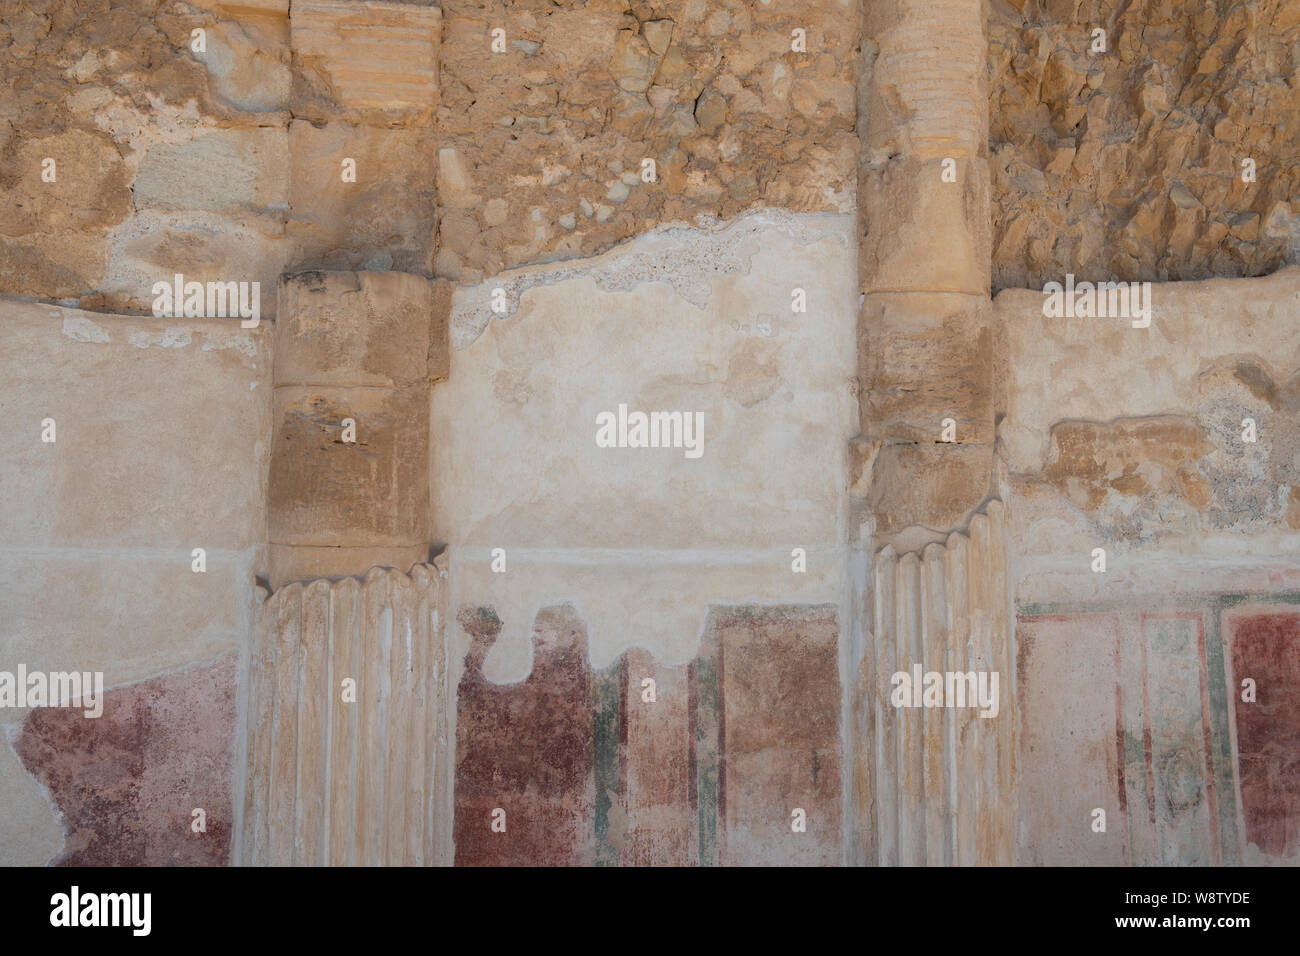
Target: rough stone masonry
x: 365, y: 584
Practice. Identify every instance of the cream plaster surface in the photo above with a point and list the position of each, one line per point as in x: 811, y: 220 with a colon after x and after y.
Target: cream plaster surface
x: 642, y: 540
x: 1103, y: 369
x: 1099, y: 369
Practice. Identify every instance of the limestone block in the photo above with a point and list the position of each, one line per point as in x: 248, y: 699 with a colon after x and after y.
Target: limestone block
x: 248, y: 57
x: 53, y: 234
x: 370, y: 61
x: 349, y: 475
x: 927, y: 84
x: 226, y: 170
x: 924, y: 233
x: 325, y: 491
x: 385, y: 219
x: 932, y: 485
x: 925, y: 358
x: 203, y: 246
x: 352, y: 329
x: 53, y: 266
x: 91, y: 190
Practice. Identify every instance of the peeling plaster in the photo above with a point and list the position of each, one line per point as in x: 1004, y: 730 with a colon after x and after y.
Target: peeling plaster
x: 80, y: 329
x: 688, y: 259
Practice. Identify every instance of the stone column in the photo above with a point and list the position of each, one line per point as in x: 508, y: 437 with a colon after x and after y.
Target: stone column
x: 347, y: 754
x: 930, y: 786
x: 925, y: 342
x: 349, y: 482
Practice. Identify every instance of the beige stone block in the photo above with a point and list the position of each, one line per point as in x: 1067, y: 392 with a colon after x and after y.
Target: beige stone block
x: 161, y: 430
x: 53, y: 240
x: 204, y: 247
x: 224, y: 170
x: 375, y: 62
x: 90, y: 190
x: 927, y: 90
x: 385, y: 219
x: 352, y: 329
x: 372, y: 492
x: 248, y: 57
x: 53, y: 265
x: 292, y: 562
x: 925, y: 358
x: 924, y: 233
x: 935, y: 485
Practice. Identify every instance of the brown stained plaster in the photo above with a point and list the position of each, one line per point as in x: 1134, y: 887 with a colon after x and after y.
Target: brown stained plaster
x: 1089, y: 459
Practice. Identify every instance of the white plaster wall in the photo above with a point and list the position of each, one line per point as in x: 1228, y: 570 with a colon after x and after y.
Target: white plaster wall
x: 642, y: 541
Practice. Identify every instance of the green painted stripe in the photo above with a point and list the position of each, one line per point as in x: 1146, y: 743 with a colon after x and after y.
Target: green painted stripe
x: 1135, y: 793
x: 606, y: 694
x: 1217, y: 682
x: 707, y: 704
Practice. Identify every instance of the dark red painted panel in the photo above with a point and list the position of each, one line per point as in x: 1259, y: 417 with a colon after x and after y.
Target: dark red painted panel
x: 1266, y: 648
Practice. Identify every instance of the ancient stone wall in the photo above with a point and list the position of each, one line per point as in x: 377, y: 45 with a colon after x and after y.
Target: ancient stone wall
x: 811, y: 239
x: 542, y: 148
x: 1120, y: 156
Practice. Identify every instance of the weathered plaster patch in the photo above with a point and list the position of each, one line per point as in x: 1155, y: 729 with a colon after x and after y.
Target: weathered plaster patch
x: 171, y: 338
x: 81, y: 329
x: 688, y: 259
x: 127, y: 783
x: 1103, y: 369
x: 220, y: 341
x: 31, y: 831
